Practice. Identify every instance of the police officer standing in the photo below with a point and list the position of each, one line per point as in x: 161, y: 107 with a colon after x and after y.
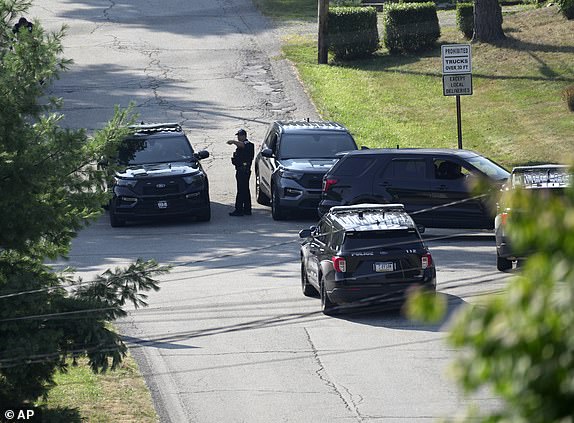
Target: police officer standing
x: 22, y: 23
x: 242, y: 158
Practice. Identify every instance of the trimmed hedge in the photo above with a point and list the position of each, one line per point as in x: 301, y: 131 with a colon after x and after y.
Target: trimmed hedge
x: 352, y: 32
x: 465, y: 18
x: 566, y: 8
x: 410, y: 27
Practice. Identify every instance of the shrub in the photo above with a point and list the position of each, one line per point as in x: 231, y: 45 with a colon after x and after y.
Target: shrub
x: 569, y: 97
x: 352, y: 32
x: 465, y: 18
x: 410, y: 27
x: 345, y: 3
x: 566, y: 8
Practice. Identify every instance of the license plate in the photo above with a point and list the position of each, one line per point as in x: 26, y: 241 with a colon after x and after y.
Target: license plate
x: 386, y: 266
x: 162, y: 204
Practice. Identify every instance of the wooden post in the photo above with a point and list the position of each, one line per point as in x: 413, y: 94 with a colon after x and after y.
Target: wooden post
x: 323, y: 46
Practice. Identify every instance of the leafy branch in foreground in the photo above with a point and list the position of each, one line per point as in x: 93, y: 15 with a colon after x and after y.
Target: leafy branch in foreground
x: 520, y: 344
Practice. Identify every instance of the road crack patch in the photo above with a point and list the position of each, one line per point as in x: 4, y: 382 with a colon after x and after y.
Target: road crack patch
x: 321, y: 372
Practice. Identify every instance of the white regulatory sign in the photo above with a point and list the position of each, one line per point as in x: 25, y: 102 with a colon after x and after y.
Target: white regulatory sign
x: 457, y: 84
x: 456, y: 59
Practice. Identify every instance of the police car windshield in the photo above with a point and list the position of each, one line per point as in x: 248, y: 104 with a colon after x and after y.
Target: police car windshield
x: 488, y: 167
x: 314, y: 146
x: 137, y: 151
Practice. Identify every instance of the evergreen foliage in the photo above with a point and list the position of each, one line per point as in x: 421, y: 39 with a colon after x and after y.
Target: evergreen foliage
x: 50, y: 189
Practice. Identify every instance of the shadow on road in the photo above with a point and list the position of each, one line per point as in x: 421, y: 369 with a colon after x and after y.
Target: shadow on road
x: 382, y: 316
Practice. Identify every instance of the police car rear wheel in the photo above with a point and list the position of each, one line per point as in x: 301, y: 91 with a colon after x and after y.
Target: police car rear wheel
x: 308, y: 289
x: 327, y: 307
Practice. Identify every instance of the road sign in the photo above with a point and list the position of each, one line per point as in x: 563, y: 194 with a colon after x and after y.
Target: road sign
x: 457, y: 84
x: 456, y: 59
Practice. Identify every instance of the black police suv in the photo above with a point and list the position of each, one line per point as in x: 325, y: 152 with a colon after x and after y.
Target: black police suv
x: 541, y: 182
x: 293, y: 158
x: 435, y: 185
x: 364, y: 254
x: 161, y: 177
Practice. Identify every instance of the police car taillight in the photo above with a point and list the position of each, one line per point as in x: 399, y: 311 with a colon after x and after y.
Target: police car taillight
x: 328, y: 183
x: 426, y: 261
x: 340, y: 264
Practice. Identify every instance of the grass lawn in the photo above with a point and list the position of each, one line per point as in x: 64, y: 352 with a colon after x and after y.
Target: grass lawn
x: 118, y: 396
x: 516, y: 115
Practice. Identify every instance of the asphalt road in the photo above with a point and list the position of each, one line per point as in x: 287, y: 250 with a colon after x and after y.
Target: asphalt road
x: 229, y: 337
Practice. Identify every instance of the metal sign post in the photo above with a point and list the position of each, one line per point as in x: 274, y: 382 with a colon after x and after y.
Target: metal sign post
x: 457, y: 76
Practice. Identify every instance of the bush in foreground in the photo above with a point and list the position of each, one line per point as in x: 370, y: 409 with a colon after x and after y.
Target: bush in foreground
x: 519, y: 343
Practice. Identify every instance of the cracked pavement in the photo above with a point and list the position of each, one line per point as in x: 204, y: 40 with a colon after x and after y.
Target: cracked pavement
x: 229, y: 337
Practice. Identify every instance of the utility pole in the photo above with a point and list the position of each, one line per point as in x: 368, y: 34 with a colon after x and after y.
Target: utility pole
x: 323, y: 46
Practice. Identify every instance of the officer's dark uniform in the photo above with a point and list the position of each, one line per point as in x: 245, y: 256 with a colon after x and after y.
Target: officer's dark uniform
x: 242, y: 159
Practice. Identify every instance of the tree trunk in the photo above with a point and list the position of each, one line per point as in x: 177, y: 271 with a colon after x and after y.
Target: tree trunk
x: 487, y: 21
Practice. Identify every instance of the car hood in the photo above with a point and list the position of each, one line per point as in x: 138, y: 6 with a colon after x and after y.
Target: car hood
x: 159, y: 169
x: 316, y: 165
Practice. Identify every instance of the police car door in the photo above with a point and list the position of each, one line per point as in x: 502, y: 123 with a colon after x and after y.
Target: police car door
x: 317, y: 250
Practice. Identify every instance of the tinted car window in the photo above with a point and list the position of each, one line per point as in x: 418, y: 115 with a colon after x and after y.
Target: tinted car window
x: 273, y: 142
x: 446, y: 169
x: 405, y: 169
x: 488, y: 167
x: 323, y: 232
x: 135, y: 151
x: 337, y: 237
x: 312, y: 146
x: 357, y: 240
x: 354, y: 166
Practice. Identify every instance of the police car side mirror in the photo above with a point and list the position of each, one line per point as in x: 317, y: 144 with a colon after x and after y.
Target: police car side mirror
x: 421, y: 229
x: 305, y: 233
x: 267, y: 152
x: 201, y: 155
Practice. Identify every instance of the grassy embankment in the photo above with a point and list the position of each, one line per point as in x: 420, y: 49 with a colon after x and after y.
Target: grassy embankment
x: 118, y: 396
x: 516, y: 115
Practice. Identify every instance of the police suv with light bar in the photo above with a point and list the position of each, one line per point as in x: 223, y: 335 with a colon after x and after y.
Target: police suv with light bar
x: 363, y: 255
x: 161, y: 176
